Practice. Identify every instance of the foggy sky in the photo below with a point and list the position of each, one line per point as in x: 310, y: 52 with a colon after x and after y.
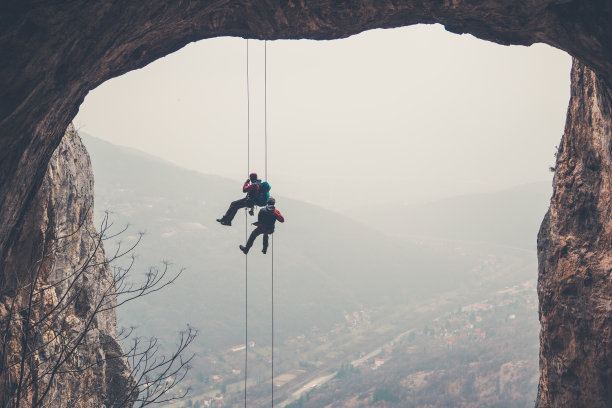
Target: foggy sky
x: 401, y: 115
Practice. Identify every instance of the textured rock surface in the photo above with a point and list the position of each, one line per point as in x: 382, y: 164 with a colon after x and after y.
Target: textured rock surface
x: 53, y: 53
x: 63, y: 207
x: 575, y: 256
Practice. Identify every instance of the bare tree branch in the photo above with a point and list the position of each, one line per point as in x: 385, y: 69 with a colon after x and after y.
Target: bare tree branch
x: 49, y: 346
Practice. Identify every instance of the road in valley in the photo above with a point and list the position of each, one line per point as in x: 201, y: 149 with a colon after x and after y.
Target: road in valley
x: 299, y: 390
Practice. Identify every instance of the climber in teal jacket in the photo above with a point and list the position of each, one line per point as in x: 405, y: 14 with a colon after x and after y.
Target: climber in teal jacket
x: 257, y: 193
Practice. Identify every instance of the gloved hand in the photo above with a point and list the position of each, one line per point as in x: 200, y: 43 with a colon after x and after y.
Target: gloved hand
x: 248, y: 181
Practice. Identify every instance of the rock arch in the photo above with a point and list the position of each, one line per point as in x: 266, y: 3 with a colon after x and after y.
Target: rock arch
x: 53, y: 53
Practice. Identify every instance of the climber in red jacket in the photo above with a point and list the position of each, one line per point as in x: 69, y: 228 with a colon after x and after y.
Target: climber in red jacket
x: 252, y: 188
x: 266, y: 219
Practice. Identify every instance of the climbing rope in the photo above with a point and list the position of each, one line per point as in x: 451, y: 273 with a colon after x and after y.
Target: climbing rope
x: 246, y: 227
x: 246, y: 233
x: 266, y: 168
x: 266, y: 103
x: 272, y: 255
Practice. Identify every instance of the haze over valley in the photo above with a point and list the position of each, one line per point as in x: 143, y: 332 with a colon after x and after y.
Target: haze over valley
x: 411, y: 166
x: 343, y: 289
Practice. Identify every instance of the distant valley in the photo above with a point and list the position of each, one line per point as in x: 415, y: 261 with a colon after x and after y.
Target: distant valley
x: 341, y: 286
x: 326, y: 264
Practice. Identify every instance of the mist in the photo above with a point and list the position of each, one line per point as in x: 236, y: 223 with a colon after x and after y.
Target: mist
x: 412, y: 167
x: 402, y: 116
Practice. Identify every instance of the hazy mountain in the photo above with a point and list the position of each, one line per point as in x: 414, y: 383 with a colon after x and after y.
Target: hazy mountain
x: 324, y: 263
x: 509, y: 217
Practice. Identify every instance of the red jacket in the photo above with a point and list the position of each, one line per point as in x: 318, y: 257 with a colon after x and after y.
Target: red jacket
x: 278, y: 215
x: 252, y: 189
x: 267, y: 217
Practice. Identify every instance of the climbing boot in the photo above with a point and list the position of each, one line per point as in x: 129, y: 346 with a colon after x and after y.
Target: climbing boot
x: 222, y: 221
x: 263, y: 251
x: 244, y: 249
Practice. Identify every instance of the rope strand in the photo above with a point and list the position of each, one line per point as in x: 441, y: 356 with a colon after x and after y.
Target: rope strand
x: 246, y: 231
x: 246, y: 313
x: 272, y: 255
x: 266, y: 102
x: 266, y: 168
x: 248, y: 111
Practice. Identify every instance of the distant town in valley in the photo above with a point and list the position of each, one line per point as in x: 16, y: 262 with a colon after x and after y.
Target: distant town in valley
x: 479, y: 355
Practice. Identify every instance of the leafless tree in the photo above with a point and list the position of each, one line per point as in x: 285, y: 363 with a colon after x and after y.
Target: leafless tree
x: 61, y: 309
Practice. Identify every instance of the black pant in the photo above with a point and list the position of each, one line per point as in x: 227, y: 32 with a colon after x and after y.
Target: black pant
x: 234, y: 207
x: 256, y: 232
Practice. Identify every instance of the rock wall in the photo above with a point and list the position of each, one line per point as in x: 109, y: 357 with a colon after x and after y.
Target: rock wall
x: 66, y: 326
x: 53, y: 53
x: 575, y: 256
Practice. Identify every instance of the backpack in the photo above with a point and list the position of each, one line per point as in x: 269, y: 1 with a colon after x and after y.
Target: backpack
x: 264, y: 193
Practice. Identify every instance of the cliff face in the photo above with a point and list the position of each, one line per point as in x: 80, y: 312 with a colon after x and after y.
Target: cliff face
x: 53, y: 53
x: 575, y: 256
x: 70, y: 327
